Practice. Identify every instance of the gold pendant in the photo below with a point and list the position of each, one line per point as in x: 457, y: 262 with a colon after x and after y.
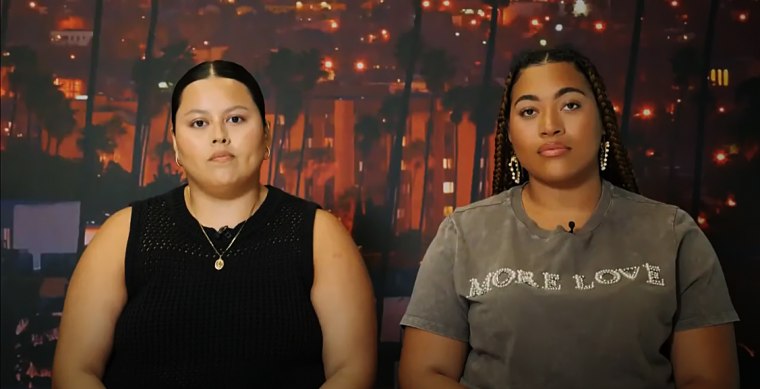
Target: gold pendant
x: 219, y: 264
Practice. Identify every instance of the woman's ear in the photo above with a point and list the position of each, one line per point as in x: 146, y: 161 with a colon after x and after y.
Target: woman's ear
x: 174, y: 143
x: 176, y: 150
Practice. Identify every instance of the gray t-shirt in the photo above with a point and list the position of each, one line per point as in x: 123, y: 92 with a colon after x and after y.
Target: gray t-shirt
x: 551, y: 309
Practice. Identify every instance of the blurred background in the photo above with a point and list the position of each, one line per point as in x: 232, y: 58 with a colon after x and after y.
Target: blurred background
x: 383, y: 113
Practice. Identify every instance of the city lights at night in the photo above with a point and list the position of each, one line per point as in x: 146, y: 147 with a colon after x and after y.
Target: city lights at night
x: 731, y: 201
x: 702, y: 220
x: 646, y: 113
x: 386, y: 113
x: 720, y: 157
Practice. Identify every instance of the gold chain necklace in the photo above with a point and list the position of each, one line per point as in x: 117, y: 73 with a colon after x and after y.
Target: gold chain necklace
x: 219, y: 263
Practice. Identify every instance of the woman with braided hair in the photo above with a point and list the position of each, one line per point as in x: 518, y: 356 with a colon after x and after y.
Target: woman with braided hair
x: 567, y: 277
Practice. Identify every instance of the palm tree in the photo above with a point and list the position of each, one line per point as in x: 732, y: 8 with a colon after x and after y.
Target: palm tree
x: 367, y: 132
x: 279, y: 71
x: 142, y: 120
x: 437, y: 69
x: 310, y: 70
x: 292, y: 75
x: 59, y: 121
x: 486, y: 111
x: 408, y: 48
x: 630, y: 78
x: 389, y: 112
x: 699, y: 150
x: 686, y: 69
x: 160, y: 153
x: 4, y: 24
x: 414, y: 156
x: 394, y: 167
x: 41, y: 96
x: 157, y: 77
x: 483, y: 124
x: 103, y: 137
x: 86, y: 182
x: 345, y: 199
x: 23, y: 61
x: 164, y: 141
x: 457, y: 100
x: 290, y: 107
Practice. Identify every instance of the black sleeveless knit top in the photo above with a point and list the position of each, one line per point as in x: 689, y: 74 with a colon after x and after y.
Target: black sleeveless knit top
x: 188, y: 325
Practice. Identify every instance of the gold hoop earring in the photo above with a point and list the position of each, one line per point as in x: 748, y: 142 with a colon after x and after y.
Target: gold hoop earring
x: 604, y: 154
x: 268, y: 153
x: 515, y: 169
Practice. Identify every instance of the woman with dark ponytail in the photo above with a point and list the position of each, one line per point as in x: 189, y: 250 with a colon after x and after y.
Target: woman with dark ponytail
x: 222, y: 282
x: 567, y: 277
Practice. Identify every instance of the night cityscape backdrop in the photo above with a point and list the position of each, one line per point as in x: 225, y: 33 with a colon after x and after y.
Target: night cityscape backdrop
x: 383, y: 113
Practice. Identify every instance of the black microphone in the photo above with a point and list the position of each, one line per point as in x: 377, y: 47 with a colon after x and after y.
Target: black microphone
x: 571, y: 224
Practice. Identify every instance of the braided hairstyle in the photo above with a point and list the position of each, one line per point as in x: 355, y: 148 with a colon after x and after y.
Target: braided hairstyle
x: 619, y: 170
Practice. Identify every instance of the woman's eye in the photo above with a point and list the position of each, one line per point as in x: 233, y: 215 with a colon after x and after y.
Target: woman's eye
x: 528, y: 112
x: 236, y: 119
x: 571, y: 106
x: 198, y: 123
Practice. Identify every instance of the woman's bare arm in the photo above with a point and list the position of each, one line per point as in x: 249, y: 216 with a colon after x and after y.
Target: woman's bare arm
x: 705, y: 358
x: 95, y: 297
x: 342, y: 298
x: 431, y: 361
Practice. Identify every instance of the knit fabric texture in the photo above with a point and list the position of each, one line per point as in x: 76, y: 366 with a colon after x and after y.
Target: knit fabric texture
x: 250, y: 324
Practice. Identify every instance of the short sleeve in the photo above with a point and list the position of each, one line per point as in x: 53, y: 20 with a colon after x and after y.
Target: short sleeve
x: 435, y: 305
x: 703, y: 298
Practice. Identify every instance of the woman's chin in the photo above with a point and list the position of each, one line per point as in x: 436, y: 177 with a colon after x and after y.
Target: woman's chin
x: 562, y: 179
x: 225, y: 182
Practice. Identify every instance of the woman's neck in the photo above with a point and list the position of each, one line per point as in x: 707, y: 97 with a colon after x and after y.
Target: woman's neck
x: 217, y: 212
x: 551, y: 206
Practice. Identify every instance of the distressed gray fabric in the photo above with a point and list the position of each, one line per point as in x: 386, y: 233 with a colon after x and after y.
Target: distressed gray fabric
x: 551, y: 309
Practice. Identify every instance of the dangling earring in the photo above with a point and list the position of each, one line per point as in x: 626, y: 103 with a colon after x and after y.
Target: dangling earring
x: 604, y: 154
x: 268, y: 153
x: 515, y: 169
